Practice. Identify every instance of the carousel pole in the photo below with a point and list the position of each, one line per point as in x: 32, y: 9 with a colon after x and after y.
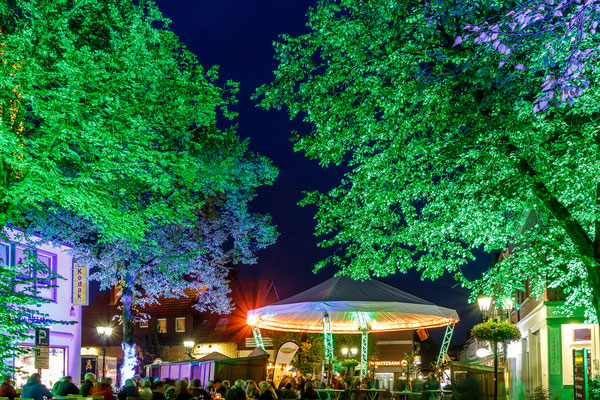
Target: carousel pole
x: 328, y: 344
x: 364, y: 348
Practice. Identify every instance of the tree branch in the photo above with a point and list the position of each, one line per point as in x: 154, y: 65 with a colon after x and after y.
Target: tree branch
x: 574, y: 230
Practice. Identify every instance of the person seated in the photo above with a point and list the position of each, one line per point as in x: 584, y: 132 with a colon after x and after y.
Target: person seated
x: 309, y: 392
x: 218, y: 388
x: 146, y: 392
x: 129, y: 390
x: 266, y: 392
x: 65, y: 387
x: 7, y: 389
x: 34, y: 389
x: 181, y: 392
x: 288, y: 392
x: 237, y: 391
x: 86, y: 386
x: 103, y: 389
x: 252, y: 391
x: 159, y: 391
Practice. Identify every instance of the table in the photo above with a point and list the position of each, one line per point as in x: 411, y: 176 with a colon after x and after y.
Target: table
x: 438, y: 394
x: 372, y: 394
x: 328, y: 392
x: 407, y: 393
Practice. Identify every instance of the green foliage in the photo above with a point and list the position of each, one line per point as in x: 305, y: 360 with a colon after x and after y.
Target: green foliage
x: 539, y: 393
x: 594, y: 388
x: 109, y: 138
x: 466, y: 388
x: 496, y: 331
x: 444, y: 155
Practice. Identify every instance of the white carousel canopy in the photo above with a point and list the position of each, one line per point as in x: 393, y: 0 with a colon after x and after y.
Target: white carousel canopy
x: 350, y: 303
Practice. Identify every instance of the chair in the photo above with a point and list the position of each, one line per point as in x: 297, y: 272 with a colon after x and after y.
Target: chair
x: 74, y: 395
x: 3, y: 398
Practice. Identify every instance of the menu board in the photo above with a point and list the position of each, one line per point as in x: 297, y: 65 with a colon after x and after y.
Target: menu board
x: 581, y: 373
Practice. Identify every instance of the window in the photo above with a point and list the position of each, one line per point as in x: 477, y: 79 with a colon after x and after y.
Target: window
x: 44, y: 272
x: 143, y: 324
x: 180, y: 324
x: 162, y: 325
x: 222, y: 323
x: 574, y: 336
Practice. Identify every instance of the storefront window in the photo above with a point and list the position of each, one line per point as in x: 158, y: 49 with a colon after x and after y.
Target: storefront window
x: 26, y: 363
x: 574, y: 336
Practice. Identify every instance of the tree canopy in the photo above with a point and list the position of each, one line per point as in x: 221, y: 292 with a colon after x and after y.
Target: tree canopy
x: 112, y: 138
x: 443, y: 151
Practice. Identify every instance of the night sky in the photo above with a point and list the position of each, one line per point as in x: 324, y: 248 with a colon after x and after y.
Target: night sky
x: 237, y: 35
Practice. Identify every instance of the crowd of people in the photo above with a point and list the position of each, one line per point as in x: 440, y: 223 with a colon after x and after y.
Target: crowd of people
x: 290, y: 388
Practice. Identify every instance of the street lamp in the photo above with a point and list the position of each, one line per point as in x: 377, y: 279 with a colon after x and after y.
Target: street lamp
x: 104, y: 332
x: 345, y: 351
x: 189, y: 346
x: 484, y: 303
x: 354, y: 351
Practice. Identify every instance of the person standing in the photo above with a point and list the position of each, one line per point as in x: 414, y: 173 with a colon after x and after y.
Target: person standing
x: 7, y: 389
x: 86, y: 386
x: 34, y: 389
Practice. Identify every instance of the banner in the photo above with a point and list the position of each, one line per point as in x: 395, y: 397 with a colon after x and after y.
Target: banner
x: 581, y: 373
x: 283, y: 359
x: 80, y: 288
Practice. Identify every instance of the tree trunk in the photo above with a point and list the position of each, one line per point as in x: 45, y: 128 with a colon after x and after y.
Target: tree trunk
x: 130, y: 361
x: 495, y: 370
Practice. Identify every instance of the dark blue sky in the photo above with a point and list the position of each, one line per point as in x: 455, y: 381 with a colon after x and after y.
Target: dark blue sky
x: 237, y: 35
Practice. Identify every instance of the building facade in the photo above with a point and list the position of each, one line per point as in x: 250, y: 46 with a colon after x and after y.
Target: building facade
x: 64, y: 339
x: 544, y: 355
x: 168, y: 325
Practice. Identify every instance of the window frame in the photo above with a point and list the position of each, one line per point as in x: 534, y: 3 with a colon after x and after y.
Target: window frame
x: 177, y: 319
x: 144, y: 324
x: 158, y: 320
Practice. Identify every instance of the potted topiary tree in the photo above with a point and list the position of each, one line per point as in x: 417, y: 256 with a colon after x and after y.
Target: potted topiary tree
x: 496, y: 332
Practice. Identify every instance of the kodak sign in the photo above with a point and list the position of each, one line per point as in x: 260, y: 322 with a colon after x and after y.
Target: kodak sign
x: 80, y: 288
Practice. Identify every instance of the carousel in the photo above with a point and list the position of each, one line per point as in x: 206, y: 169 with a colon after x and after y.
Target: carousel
x: 342, y: 305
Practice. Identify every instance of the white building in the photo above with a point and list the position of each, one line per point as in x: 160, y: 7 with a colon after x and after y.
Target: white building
x: 64, y: 340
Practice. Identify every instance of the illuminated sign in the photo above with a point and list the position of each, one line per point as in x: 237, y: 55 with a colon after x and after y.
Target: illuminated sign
x: 80, y: 292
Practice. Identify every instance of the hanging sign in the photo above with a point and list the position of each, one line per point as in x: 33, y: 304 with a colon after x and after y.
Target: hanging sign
x: 283, y: 359
x: 80, y: 292
x: 581, y: 373
x: 42, y: 358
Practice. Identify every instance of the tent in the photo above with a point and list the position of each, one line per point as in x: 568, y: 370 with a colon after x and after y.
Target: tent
x: 343, y: 305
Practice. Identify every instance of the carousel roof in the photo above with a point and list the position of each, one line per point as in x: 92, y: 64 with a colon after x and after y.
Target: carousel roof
x: 351, y: 304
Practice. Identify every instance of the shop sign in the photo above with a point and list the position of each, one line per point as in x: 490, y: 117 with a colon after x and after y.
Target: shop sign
x: 42, y: 357
x: 581, y: 373
x: 80, y: 292
x: 42, y: 337
x: 554, y: 354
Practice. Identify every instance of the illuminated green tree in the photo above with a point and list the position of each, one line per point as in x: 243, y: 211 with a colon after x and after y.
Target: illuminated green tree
x: 107, y: 118
x: 443, y: 151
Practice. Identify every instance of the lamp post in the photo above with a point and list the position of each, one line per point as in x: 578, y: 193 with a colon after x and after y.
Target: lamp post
x: 345, y: 351
x: 354, y: 351
x: 104, y: 332
x: 189, y: 346
x: 485, y: 303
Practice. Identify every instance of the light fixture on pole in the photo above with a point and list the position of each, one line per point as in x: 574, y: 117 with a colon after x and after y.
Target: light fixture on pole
x: 189, y: 347
x: 485, y: 304
x: 354, y: 351
x: 104, y: 332
x: 345, y: 351
x: 483, y: 352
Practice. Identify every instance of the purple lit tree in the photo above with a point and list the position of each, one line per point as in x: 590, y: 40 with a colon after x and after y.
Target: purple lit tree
x: 555, y: 40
